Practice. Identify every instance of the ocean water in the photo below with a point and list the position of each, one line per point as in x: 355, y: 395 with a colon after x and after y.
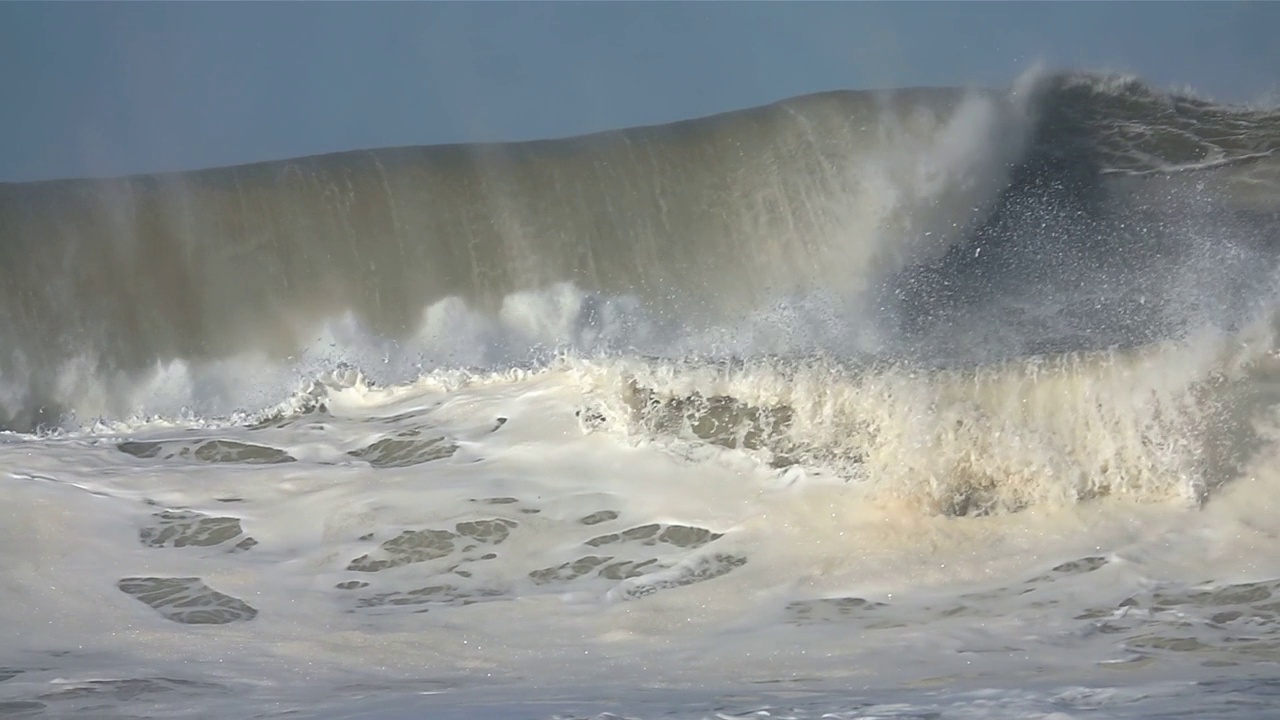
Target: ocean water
x: 928, y: 403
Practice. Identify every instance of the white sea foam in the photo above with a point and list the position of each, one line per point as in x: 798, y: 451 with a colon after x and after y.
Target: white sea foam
x: 550, y: 552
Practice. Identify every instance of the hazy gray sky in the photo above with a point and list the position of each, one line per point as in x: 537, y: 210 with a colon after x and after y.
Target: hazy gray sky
x: 113, y: 88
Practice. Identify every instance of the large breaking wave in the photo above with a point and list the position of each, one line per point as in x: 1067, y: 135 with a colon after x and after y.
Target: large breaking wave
x: 806, y: 279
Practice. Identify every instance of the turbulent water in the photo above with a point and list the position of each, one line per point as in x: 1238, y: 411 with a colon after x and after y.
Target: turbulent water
x: 928, y: 403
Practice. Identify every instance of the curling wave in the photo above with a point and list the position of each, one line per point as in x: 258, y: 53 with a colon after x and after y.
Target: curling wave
x: 944, y: 226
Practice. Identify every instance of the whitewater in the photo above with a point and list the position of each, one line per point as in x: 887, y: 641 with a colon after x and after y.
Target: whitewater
x: 918, y: 403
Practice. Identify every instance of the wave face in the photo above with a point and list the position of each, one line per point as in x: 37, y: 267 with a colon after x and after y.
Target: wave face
x: 940, y: 226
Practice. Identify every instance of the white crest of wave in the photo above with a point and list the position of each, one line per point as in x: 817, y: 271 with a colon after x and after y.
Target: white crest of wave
x: 1172, y: 420
x: 530, y: 327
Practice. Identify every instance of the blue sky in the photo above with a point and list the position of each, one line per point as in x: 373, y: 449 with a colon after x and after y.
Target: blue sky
x: 114, y: 88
